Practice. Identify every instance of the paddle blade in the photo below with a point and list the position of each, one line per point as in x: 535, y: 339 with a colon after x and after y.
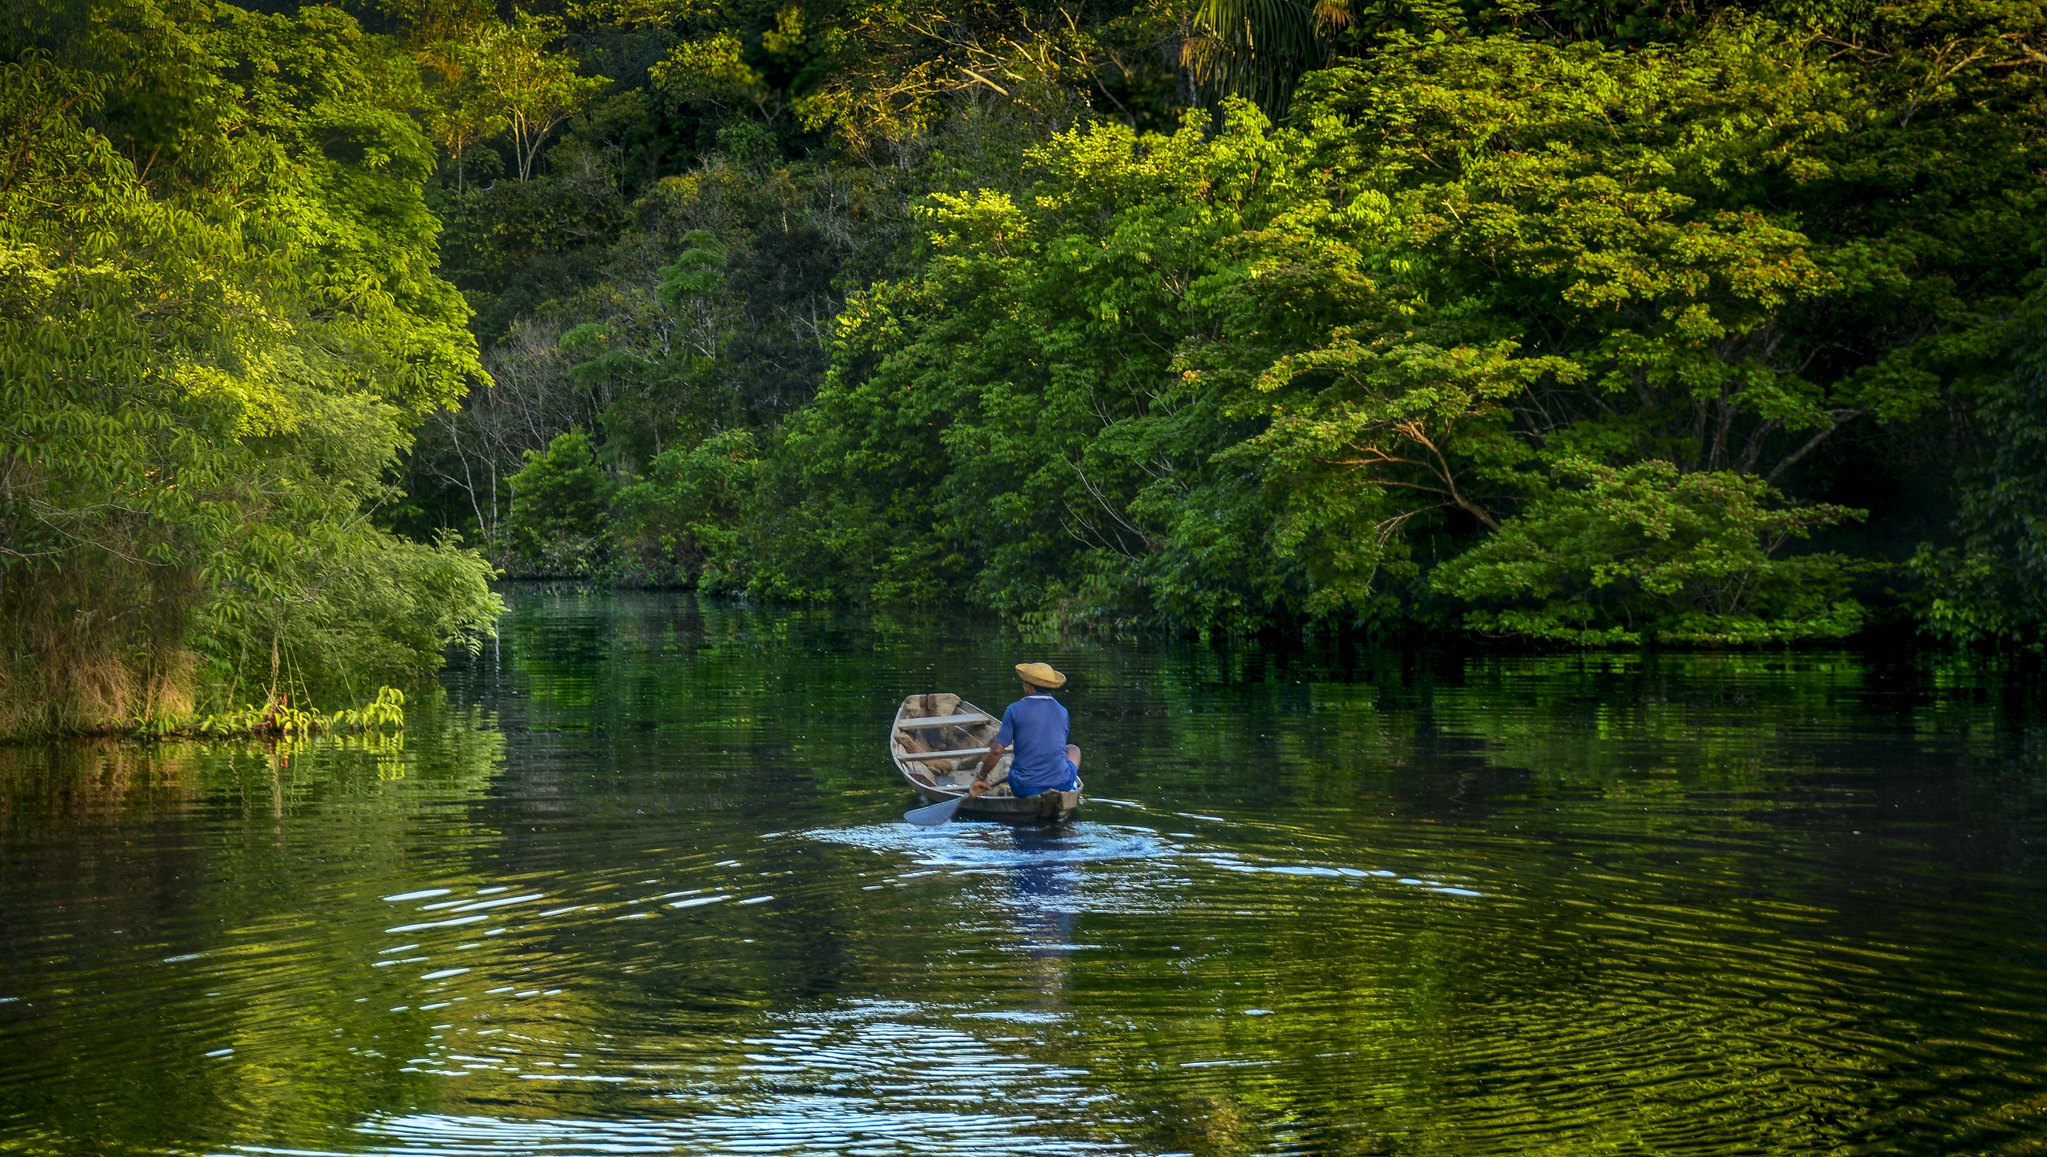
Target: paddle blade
x: 932, y: 815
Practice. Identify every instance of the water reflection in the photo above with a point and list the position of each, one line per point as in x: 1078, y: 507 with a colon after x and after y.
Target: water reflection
x: 639, y: 885
x: 1041, y: 888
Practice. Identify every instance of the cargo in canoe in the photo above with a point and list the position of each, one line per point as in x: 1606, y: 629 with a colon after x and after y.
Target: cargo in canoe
x: 938, y: 742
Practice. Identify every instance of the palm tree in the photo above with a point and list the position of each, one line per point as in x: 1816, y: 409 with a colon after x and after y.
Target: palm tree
x: 1258, y: 49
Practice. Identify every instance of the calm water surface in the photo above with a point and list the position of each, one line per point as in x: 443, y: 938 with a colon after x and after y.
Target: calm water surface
x: 640, y: 886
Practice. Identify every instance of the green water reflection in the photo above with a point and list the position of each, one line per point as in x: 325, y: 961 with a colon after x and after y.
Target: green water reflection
x: 638, y: 885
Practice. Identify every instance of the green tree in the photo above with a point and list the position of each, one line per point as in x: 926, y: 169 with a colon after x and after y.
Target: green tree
x: 1009, y: 423
x: 1991, y: 588
x: 1644, y: 553
x: 220, y: 321
x: 1259, y: 49
x: 559, y: 522
x: 681, y: 522
x: 891, y: 72
x: 457, y: 110
x: 531, y: 88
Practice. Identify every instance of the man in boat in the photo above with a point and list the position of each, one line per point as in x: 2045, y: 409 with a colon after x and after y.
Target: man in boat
x: 1036, y: 728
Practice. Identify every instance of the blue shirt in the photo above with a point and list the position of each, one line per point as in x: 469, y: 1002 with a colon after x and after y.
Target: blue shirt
x: 1035, y: 727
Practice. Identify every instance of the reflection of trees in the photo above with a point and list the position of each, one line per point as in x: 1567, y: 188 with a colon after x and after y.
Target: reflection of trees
x: 1667, y: 936
x: 1322, y: 726
x: 1458, y: 1031
x: 722, y: 684
x: 1676, y: 894
x: 165, y: 902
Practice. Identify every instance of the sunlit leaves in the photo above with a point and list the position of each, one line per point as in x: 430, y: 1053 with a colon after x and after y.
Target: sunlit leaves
x: 532, y: 88
x: 223, y: 343
x: 712, y: 70
x: 893, y: 71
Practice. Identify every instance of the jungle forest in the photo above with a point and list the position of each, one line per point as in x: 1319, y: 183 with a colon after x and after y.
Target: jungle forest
x: 1561, y: 322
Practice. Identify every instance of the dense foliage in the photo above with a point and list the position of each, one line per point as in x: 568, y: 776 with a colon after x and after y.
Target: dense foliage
x: 1583, y: 323
x: 219, y: 320
x: 1587, y: 324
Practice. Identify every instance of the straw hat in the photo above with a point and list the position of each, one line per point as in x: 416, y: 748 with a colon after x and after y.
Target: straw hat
x: 1040, y: 675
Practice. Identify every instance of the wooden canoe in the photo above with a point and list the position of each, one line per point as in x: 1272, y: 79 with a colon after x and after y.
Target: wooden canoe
x: 938, y: 741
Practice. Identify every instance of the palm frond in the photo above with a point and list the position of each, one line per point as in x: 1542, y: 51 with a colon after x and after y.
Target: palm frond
x: 1258, y: 49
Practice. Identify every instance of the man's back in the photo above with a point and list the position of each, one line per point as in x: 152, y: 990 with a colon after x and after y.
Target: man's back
x: 1036, y: 728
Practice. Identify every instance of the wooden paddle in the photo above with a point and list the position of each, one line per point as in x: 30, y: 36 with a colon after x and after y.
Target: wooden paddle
x: 932, y: 815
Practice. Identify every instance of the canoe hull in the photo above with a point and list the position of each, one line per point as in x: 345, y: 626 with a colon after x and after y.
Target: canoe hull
x: 938, y: 741
x: 1051, y: 807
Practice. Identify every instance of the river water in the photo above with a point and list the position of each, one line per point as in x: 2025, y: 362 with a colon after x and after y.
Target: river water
x: 639, y: 884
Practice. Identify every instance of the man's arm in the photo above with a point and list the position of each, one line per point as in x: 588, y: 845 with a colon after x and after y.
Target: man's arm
x: 980, y: 784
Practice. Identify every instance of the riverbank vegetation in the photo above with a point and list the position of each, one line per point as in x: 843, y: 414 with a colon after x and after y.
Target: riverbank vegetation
x: 220, y: 324
x: 1596, y: 324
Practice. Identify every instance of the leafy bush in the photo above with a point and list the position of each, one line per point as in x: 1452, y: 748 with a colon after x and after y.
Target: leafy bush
x: 559, y: 525
x: 681, y: 521
x: 1644, y: 553
x: 1992, y: 587
x: 219, y: 325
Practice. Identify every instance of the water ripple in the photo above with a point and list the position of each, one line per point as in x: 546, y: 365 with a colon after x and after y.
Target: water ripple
x: 643, y: 888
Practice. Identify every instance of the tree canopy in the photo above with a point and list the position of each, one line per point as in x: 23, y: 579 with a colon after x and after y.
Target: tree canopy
x: 1585, y: 324
x: 220, y: 322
